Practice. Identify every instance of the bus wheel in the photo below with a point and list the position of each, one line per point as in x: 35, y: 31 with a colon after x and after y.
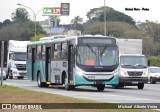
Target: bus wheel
x: 140, y: 85
x: 66, y: 85
x: 100, y: 87
x: 39, y: 81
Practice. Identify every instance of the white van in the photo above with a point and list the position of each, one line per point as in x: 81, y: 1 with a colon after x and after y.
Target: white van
x: 133, y: 70
x: 154, y: 74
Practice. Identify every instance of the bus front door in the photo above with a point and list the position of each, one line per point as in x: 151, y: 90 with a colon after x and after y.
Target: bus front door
x: 48, y: 63
x: 33, y: 62
x: 71, y: 63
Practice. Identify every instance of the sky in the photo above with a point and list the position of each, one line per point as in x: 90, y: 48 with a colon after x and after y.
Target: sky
x: 81, y: 7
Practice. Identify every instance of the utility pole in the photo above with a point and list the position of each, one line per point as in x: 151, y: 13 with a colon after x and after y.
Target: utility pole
x: 104, y: 17
x: 2, y: 60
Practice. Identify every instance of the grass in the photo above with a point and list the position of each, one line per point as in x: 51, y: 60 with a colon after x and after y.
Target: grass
x: 10, y: 94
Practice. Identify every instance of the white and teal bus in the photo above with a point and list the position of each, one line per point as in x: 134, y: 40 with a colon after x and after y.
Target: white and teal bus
x: 74, y: 61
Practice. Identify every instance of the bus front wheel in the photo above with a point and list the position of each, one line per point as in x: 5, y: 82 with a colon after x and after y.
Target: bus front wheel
x: 39, y: 81
x: 100, y: 87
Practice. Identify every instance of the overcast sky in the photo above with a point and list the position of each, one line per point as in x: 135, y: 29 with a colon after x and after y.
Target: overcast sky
x: 81, y: 7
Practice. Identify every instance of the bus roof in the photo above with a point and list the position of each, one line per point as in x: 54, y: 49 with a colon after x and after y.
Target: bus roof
x: 59, y: 40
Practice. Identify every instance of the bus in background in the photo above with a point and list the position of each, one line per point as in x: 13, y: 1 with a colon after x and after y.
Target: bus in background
x: 74, y: 61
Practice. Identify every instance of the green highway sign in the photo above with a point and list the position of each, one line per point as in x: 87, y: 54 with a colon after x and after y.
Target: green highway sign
x: 63, y: 10
x: 47, y: 11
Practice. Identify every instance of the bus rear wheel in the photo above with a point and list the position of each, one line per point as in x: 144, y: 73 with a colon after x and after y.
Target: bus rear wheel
x: 100, y: 87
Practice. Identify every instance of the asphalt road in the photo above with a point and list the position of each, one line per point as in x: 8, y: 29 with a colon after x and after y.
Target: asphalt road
x: 129, y: 94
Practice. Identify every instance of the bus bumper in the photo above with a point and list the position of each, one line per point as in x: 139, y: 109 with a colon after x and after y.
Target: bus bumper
x: 80, y: 80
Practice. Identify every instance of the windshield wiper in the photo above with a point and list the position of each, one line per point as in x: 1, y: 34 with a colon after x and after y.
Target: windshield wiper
x: 91, y: 49
x: 103, y: 49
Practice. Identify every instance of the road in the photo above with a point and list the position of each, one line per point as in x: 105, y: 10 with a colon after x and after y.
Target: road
x: 129, y: 94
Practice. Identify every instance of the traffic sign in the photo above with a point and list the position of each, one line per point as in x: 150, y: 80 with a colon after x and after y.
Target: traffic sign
x: 65, y: 9
x: 47, y: 11
x: 56, y: 11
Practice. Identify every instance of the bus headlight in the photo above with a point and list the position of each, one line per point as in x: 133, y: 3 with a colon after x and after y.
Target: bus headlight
x: 79, y: 71
x: 115, y: 72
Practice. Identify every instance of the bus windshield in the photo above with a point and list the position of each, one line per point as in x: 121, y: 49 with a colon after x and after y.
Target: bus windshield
x: 97, y: 55
x: 17, y: 56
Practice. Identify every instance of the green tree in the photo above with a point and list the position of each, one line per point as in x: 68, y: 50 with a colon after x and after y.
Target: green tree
x: 77, y: 23
x: 21, y: 28
x: 20, y: 15
x: 6, y: 22
x: 151, y: 37
x: 37, y: 37
x: 29, y: 30
x: 11, y: 32
x: 97, y: 14
x: 117, y: 29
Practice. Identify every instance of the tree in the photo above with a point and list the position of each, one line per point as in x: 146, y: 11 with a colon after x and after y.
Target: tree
x: 97, y: 14
x: 29, y: 30
x: 117, y: 29
x: 151, y: 37
x: 37, y: 37
x: 6, y: 22
x: 11, y: 32
x: 77, y: 23
x: 21, y: 28
x: 20, y: 15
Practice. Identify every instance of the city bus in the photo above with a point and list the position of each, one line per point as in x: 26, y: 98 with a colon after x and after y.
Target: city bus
x: 74, y: 61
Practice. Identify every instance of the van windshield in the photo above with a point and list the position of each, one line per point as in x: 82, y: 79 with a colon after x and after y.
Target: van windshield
x: 133, y: 62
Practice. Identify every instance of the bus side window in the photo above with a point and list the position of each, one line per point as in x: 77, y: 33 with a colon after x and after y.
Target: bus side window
x: 57, y: 51
x: 64, y: 51
x: 39, y: 52
x: 43, y: 52
x: 29, y: 53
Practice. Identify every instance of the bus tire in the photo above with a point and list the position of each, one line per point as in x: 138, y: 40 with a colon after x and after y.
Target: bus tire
x: 140, y: 85
x: 100, y: 87
x: 39, y: 81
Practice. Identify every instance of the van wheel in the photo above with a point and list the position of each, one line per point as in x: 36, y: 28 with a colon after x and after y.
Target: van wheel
x: 140, y: 85
x: 100, y: 87
x: 152, y: 81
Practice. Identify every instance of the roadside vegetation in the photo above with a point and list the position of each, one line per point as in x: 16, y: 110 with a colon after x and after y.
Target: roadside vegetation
x: 10, y: 94
x: 118, y: 24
